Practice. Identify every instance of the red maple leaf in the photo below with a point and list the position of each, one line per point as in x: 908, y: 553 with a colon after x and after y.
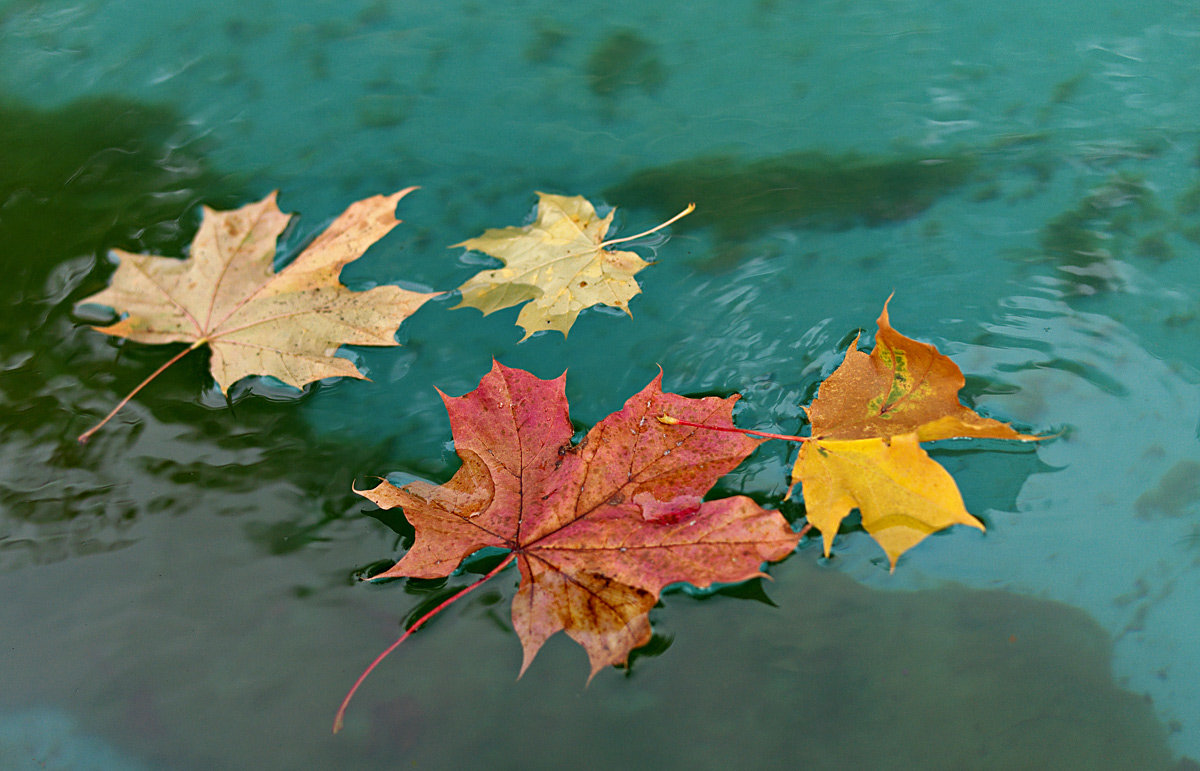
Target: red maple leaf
x: 597, y: 528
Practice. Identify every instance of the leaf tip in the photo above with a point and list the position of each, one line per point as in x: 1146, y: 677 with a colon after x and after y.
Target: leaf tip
x: 354, y: 487
x: 884, y: 321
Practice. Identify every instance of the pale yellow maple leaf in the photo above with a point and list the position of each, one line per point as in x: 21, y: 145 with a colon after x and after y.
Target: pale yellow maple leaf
x: 559, y: 264
x: 227, y: 295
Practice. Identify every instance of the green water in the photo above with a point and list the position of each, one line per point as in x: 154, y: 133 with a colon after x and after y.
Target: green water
x: 181, y: 592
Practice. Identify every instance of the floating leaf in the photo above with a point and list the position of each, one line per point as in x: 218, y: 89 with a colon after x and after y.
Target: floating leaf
x: 597, y: 528
x: 559, y: 264
x: 867, y: 422
x: 227, y: 295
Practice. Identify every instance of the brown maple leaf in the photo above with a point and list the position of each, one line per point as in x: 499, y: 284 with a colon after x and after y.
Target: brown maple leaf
x: 867, y: 422
x: 559, y: 263
x: 227, y: 295
x: 597, y: 528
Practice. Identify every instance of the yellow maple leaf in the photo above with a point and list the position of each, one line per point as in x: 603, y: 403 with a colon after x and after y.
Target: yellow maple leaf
x: 227, y: 295
x: 867, y: 422
x: 559, y: 264
x: 901, y: 493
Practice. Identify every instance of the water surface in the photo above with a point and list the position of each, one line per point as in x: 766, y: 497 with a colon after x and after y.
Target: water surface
x: 182, y: 589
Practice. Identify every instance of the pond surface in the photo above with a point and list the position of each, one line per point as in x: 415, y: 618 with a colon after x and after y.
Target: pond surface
x: 182, y: 591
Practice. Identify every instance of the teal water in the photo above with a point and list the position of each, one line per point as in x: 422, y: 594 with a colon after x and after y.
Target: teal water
x: 1024, y: 177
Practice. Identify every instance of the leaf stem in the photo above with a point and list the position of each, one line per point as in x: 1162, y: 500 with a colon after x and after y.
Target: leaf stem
x: 670, y: 421
x: 691, y: 207
x: 341, y: 713
x: 88, y: 434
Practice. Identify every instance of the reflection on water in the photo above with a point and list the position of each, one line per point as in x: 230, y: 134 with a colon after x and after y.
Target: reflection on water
x: 86, y: 177
x: 47, y: 738
x: 77, y: 180
x: 836, y: 674
x: 740, y: 198
x: 1109, y: 521
x: 120, y: 557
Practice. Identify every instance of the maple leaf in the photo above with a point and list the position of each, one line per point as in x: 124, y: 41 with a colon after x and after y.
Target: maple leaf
x: 597, y: 528
x: 227, y: 295
x: 558, y: 263
x: 867, y: 422
x: 864, y: 452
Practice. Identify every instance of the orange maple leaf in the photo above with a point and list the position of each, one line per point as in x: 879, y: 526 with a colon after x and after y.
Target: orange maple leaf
x: 867, y: 422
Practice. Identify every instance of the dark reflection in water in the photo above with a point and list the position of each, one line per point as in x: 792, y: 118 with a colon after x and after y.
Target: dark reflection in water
x: 809, y: 189
x: 208, y: 656
x: 739, y: 196
x: 839, y: 676
x: 77, y: 181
